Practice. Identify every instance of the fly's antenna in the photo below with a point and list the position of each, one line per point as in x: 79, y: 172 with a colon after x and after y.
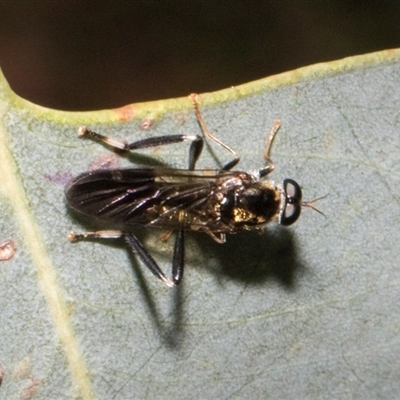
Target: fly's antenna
x: 310, y: 204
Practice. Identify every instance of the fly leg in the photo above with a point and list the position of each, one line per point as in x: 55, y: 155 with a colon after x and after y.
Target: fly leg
x: 138, y: 249
x: 195, y: 150
x: 147, y: 259
x: 178, y: 260
x: 209, y: 135
x: 73, y: 237
x: 270, y: 165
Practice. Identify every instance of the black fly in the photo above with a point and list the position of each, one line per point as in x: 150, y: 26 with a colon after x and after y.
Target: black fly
x: 216, y: 202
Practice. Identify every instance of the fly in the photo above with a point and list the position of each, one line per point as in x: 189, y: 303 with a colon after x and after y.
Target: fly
x: 217, y: 202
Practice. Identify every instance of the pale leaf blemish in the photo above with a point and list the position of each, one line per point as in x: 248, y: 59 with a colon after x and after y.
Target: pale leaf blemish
x: 59, y: 178
x: 30, y: 391
x: 180, y: 118
x: 147, y: 123
x: 7, y: 250
x: 104, y: 162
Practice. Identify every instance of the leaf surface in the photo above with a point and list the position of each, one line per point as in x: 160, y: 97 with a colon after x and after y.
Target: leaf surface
x: 309, y: 311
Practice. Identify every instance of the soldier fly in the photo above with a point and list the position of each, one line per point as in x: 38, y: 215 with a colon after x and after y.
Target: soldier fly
x: 216, y: 202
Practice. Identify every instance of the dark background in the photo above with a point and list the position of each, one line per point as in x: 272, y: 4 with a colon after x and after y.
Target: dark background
x: 83, y: 55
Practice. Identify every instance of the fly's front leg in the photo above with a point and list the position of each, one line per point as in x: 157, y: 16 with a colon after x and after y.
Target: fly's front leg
x: 209, y: 135
x: 196, y: 146
x: 270, y: 164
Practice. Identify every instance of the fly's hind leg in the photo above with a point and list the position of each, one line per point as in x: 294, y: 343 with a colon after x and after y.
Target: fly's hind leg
x: 137, y: 248
x: 73, y: 237
x: 196, y: 146
x: 178, y: 260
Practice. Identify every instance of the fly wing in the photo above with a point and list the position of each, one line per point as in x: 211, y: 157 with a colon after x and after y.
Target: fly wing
x: 159, y: 197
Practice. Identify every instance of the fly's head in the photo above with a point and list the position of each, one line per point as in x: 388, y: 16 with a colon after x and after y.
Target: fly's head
x: 291, y: 202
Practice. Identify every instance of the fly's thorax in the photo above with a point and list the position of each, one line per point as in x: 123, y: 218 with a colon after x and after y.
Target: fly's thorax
x: 250, y: 204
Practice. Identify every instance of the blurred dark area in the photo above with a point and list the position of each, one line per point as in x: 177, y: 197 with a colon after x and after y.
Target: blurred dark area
x: 85, y: 55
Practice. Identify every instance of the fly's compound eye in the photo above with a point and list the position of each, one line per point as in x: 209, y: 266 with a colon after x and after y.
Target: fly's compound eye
x: 291, y: 211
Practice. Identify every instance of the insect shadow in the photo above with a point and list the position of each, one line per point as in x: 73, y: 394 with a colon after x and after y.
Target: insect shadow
x: 253, y: 259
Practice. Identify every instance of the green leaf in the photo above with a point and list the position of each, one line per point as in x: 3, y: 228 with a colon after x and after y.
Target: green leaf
x: 310, y: 311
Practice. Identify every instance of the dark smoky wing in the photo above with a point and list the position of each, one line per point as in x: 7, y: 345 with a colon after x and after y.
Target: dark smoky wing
x: 105, y: 194
x: 139, y: 196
